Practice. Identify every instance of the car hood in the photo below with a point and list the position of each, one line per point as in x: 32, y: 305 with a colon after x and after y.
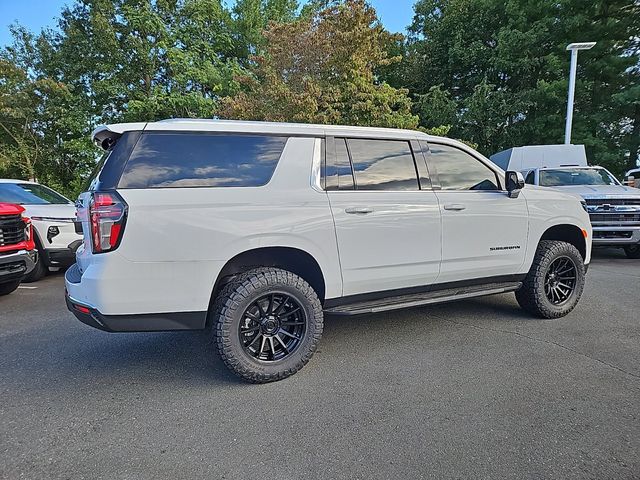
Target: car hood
x: 601, y: 191
x: 51, y: 211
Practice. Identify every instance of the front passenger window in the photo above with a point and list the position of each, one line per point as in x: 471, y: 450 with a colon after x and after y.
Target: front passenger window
x: 457, y: 170
x: 531, y: 178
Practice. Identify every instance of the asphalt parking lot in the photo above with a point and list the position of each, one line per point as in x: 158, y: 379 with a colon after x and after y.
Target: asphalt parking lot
x: 469, y: 390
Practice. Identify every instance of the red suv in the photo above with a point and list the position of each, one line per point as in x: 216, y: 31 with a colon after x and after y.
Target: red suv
x: 17, y: 254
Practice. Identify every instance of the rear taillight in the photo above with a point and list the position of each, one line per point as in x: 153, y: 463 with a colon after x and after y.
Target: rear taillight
x: 107, y: 214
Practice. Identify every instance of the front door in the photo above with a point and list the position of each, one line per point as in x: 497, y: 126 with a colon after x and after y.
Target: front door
x: 484, y: 232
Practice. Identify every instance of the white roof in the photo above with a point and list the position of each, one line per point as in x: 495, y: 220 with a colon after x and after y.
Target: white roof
x: 531, y: 157
x: 13, y: 180
x: 202, y: 125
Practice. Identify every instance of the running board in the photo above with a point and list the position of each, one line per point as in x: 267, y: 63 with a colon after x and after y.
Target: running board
x: 419, y: 299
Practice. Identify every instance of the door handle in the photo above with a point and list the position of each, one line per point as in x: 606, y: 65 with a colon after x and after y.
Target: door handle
x: 456, y: 207
x: 358, y: 210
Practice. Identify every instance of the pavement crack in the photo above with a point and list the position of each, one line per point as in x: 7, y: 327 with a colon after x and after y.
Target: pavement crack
x: 548, y: 342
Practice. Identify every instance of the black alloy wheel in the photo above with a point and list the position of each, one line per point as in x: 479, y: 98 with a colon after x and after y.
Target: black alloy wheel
x: 272, y: 327
x: 267, y: 324
x: 560, y: 281
x: 555, y: 281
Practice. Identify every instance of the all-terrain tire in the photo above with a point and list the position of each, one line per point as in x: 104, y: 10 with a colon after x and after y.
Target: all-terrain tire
x: 532, y: 296
x: 8, y: 287
x: 229, y: 309
x: 632, y: 251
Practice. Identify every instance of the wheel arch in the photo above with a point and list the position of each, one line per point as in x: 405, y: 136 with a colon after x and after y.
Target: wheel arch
x: 292, y: 259
x: 567, y: 233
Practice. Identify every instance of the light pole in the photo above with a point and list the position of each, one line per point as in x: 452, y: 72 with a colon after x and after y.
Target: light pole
x: 574, y: 47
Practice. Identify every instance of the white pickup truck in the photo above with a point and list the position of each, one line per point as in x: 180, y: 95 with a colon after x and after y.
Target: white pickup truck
x: 258, y: 229
x: 614, y: 208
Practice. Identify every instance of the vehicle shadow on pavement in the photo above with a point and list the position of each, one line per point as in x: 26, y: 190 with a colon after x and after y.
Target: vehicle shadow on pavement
x: 189, y: 358
x: 181, y: 357
x: 86, y: 357
x: 68, y: 352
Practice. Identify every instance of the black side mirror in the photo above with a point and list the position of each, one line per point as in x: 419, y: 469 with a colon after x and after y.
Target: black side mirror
x: 514, y: 182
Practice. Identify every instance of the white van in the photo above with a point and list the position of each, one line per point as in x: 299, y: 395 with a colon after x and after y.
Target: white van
x: 529, y: 157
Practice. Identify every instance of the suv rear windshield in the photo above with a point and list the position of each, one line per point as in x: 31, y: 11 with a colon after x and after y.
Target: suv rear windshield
x: 170, y: 160
x: 30, y: 194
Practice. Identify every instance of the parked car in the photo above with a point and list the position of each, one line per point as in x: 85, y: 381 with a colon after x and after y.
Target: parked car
x: 614, y: 208
x: 52, y: 216
x: 258, y: 229
x: 17, y: 249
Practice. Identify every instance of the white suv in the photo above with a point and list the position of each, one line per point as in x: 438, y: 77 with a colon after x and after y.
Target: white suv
x: 52, y: 216
x: 258, y: 229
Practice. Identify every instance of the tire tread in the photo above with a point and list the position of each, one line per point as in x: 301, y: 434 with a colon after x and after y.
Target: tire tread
x: 226, y: 306
x: 529, y: 296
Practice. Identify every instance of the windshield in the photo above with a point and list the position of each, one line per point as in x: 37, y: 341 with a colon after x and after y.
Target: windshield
x: 30, y: 194
x: 576, y: 176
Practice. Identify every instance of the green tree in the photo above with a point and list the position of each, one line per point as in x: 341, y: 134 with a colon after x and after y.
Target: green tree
x: 147, y: 60
x: 110, y: 61
x: 321, y: 69
x: 252, y: 17
x: 38, y: 125
x: 504, y: 65
x: 18, y: 109
x: 436, y: 108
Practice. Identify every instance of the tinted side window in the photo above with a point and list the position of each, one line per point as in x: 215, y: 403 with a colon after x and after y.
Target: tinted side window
x: 383, y: 164
x: 457, y: 170
x: 165, y: 160
x: 108, y: 170
x: 343, y: 165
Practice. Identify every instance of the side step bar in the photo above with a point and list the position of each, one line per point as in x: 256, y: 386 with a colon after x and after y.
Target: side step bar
x: 418, y: 299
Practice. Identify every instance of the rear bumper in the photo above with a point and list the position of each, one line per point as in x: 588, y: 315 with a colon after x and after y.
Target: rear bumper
x: 155, y: 322
x: 15, y: 265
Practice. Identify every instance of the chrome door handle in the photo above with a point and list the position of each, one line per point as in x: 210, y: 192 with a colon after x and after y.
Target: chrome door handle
x: 358, y: 210
x: 456, y: 207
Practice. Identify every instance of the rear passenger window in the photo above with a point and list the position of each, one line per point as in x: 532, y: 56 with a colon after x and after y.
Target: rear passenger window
x: 383, y: 164
x: 169, y: 160
x: 343, y: 165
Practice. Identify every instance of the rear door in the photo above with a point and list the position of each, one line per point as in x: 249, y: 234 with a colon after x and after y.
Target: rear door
x: 386, y: 214
x: 484, y: 232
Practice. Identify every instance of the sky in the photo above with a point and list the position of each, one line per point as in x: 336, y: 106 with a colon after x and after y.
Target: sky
x: 36, y: 14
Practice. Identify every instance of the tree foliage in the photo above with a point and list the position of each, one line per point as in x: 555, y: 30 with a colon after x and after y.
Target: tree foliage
x: 252, y: 17
x: 110, y: 61
x: 39, y: 124
x: 320, y: 69
x: 503, y: 68
x: 492, y: 72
